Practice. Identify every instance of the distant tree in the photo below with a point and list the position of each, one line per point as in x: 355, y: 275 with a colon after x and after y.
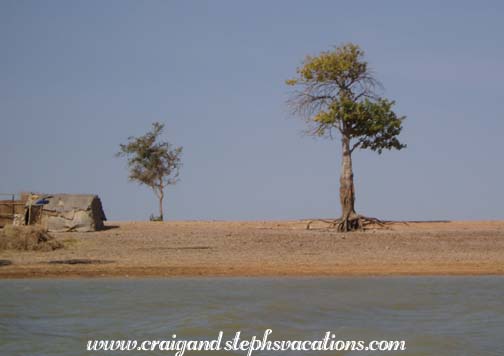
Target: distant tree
x: 336, y: 92
x: 152, y: 162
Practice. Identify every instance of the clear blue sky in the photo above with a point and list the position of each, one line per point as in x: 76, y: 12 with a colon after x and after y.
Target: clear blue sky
x: 78, y: 77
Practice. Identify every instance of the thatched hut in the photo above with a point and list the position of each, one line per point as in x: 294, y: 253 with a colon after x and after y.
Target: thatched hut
x: 66, y: 212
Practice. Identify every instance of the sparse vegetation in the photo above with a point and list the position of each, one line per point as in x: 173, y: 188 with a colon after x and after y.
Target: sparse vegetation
x: 27, y: 238
x: 155, y: 218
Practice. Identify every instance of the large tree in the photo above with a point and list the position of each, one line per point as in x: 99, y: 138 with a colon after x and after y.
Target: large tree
x: 336, y: 93
x: 152, y: 162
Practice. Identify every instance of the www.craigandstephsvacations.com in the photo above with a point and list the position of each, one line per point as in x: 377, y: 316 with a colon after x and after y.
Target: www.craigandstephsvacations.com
x: 179, y: 346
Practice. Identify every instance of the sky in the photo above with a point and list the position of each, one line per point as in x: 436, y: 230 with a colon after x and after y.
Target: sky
x: 79, y: 77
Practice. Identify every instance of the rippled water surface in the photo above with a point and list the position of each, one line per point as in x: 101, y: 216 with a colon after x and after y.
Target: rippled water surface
x: 435, y: 315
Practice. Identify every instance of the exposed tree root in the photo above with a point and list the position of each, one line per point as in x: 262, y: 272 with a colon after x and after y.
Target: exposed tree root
x: 360, y: 222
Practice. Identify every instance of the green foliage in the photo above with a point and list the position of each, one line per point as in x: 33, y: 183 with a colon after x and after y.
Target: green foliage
x: 341, y: 66
x: 336, y: 91
x: 151, y: 162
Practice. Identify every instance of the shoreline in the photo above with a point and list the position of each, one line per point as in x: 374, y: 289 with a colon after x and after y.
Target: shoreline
x: 18, y: 274
x: 268, y: 249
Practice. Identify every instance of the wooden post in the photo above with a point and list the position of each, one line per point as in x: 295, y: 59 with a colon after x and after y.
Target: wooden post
x: 29, y: 211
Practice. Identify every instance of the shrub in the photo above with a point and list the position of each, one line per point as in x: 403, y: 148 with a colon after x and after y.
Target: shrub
x: 27, y: 238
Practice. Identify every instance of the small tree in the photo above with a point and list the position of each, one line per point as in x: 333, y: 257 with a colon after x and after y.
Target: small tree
x: 336, y: 93
x: 151, y: 162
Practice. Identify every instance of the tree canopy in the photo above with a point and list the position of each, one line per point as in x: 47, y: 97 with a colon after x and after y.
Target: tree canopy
x: 337, y: 91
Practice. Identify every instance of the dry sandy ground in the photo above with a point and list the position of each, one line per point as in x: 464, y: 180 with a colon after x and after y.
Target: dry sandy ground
x: 270, y: 248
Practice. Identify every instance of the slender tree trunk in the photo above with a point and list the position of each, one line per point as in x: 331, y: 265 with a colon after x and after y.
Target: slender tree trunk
x: 349, y: 218
x: 161, y: 196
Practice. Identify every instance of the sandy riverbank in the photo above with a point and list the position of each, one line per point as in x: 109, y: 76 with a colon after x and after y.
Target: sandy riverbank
x: 270, y: 248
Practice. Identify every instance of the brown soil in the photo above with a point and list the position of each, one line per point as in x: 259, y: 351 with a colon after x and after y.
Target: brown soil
x: 270, y: 248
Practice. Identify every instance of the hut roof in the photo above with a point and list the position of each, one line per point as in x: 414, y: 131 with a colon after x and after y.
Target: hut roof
x: 68, y: 202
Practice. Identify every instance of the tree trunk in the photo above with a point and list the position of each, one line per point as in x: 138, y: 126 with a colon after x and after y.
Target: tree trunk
x: 349, y: 218
x: 161, y: 196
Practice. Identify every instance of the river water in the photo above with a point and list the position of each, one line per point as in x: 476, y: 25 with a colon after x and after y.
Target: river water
x: 434, y: 315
